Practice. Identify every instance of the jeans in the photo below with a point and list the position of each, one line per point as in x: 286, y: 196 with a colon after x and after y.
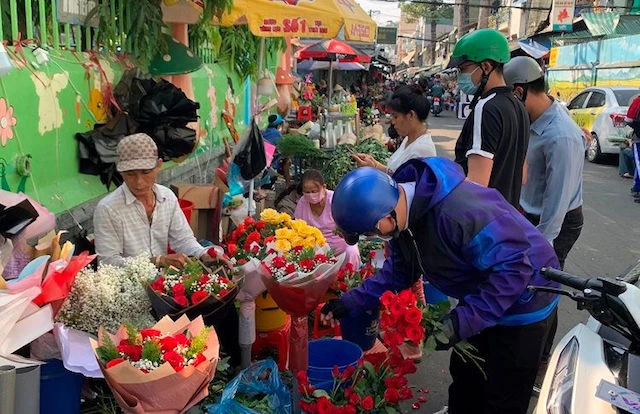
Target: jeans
x: 512, y: 355
x: 636, y: 157
x: 626, y: 163
x: 569, y: 232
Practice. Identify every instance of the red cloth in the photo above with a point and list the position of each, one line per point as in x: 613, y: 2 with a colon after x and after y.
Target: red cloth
x: 634, y: 108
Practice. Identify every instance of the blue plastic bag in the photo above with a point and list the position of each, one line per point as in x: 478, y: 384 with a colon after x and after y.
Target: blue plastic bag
x: 260, y: 378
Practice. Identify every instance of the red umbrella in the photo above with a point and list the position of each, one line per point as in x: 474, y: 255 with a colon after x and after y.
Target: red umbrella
x: 332, y: 49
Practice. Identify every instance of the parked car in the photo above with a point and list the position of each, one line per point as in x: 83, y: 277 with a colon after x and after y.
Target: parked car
x: 601, y: 110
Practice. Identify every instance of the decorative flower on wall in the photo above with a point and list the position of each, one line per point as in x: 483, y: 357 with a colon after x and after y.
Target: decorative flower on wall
x: 7, y: 122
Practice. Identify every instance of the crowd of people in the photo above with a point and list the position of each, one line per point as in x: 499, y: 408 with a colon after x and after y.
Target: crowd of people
x: 479, y: 228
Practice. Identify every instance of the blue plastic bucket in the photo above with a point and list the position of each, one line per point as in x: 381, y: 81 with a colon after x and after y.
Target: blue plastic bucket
x: 324, y: 354
x: 60, y: 390
x: 361, y: 329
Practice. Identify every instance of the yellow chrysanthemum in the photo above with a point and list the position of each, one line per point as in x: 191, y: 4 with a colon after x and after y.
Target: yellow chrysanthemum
x: 284, y: 218
x: 285, y: 234
x: 270, y: 216
x: 282, y: 246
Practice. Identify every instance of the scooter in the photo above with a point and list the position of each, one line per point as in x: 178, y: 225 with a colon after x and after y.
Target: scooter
x: 436, y: 107
x: 595, y: 368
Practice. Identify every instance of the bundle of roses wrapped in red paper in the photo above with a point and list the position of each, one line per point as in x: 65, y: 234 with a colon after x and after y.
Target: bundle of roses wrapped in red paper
x: 191, y: 291
x: 166, y: 368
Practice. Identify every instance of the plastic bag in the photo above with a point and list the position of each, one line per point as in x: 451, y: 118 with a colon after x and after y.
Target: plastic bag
x: 260, y: 378
x: 250, y: 155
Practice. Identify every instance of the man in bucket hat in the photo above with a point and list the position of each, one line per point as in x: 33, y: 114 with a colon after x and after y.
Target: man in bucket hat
x: 142, y: 217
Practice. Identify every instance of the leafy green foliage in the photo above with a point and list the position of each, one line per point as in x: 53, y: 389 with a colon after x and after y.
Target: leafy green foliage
x: 198, y: 343
x: 151, y: 352
x: 133, y: 336
x: 240, y: 50
x: 341, y: 162
x: 258, y: 403
x: 107, y: 351
x: 298, y: 145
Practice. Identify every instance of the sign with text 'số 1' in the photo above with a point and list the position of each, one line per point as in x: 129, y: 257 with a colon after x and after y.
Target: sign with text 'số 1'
x: 387, y: 35
x: 298, y: 25
x: 562, y: 15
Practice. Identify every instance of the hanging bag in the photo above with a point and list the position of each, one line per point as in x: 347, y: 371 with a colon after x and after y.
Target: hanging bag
x: 251, y: 157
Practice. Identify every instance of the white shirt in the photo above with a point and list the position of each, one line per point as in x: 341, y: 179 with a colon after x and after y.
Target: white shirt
x: 122, y: 228
x: 420, y: 148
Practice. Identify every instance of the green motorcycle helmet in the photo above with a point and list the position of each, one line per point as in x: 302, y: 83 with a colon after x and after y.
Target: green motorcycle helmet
x: 478, y: 46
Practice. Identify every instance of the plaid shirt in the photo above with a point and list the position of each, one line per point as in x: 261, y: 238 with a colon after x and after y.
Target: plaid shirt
x: 122, y: 228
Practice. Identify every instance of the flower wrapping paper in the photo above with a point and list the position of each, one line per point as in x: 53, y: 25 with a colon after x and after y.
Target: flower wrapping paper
x: 163, y: 390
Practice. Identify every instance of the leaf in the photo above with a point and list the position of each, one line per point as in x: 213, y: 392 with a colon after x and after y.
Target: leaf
x: 441, y: 337
x: 390, y: 410
x: 151, y: 351
x: 107, y: 351
x: 371, y: 370
x: 430, y: 345
x: 320, y: 393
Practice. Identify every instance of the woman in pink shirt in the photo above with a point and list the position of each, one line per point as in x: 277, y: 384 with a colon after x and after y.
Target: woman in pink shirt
x: 315, y: 208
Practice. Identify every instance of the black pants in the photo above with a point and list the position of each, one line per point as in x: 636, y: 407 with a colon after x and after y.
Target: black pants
x: 569, y: 232
x: 512, y: 355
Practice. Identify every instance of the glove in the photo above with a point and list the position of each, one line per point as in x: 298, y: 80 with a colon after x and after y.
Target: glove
x: 336, y: 307
x: 448, y: 337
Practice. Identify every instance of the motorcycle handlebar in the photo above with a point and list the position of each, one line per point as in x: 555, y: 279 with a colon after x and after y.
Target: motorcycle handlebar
x: 564, y: 278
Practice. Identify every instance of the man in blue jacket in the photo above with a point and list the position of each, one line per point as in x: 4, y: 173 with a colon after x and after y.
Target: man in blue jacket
x: 470, y: 243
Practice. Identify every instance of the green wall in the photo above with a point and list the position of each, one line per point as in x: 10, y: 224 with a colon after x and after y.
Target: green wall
x: 52, y: 103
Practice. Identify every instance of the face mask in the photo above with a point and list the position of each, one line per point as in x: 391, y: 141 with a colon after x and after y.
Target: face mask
x: 314, y: 198
x: 465, y: 83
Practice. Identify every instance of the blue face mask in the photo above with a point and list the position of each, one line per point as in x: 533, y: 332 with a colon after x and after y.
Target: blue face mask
x: 465, y: 83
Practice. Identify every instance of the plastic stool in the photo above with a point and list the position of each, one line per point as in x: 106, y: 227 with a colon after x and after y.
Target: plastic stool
x: 278, y: 339
x: 319, y: 332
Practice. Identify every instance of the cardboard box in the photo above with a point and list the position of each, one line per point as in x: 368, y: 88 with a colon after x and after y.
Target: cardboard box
x: 205, y: 219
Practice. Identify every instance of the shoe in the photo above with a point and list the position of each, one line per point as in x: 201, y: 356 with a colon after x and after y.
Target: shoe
x: 444, y: 410
x: 626, y: 175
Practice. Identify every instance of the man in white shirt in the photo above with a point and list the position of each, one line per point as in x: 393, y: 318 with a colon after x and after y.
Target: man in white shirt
x: 142, y: 217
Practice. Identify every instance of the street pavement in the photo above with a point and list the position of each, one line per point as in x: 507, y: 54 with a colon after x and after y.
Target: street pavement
x: 608, y: 245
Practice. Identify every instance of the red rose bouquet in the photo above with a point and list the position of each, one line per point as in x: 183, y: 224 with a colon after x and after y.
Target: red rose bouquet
x: 401, y: 320
x: 166, y: 368
x: 378, y: 384
x: 193, y: 291
x: 348, y: 277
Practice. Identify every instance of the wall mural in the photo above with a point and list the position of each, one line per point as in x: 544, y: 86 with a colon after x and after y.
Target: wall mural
x: 7, y: 122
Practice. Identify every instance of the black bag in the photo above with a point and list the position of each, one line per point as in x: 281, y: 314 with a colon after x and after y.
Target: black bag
x: 174, y: 142
x: 252, y: 159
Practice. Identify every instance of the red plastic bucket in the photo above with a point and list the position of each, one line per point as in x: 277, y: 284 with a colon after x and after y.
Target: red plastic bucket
x: 187, y: 208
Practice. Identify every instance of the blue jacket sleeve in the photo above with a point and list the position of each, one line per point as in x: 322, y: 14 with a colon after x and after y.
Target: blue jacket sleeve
x: 392, y: 276
x: 500, y: 252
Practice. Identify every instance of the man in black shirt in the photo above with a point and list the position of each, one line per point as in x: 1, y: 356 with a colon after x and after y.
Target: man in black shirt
x: 493, y: 143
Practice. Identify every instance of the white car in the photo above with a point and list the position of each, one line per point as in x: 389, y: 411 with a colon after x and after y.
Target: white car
x: 601, y: 110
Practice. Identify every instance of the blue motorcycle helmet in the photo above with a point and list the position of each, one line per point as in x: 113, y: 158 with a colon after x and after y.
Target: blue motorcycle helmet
x: 361, y: 199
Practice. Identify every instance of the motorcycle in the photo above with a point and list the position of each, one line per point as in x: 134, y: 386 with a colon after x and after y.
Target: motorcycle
x: 436, y: 107
x: 595, y: 368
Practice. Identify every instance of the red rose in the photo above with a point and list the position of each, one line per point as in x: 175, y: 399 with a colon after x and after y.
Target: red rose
x: 391, y: 396
x: 324, y: 405
x: 407, y: 297
x: 269, y: 239
x: 212, y: 252
x: 158, y: 285
x: 199, y: 296
x: 174, y: 359
x: 290, y: 268
x: 400, y: 381
x: 124, y: 342
x: 149, y: 333
x: 397, y: 308
x: 178, y: 289
x: 348, y: 372
x: 372, y: 254
x: 393, y: 338
x: 242, y: 262
x: 181, y: 300
x: 298, y: 249
x: 343, y: 286
x: 182, y: 339
x: 307, y: 264
x: 168, y: 343
x: 133, y: 352
x: 350, y: 409
x: 407, y: 366
x: 199, y: 359
x: 241, y: 229
x: 249, y: 221
x: 114, y: 362
x: 255, y: 249
x: 320, y: 258
x: 354, y: 399
x: 413, y: 316
x: 253, y: 237
x: 302, y: 377
x: 232, y: 249
x: 204, y: 279
x: 405, y: 393
x: 335, y: 372
x: 260, y: 225
x: 349, y: 267
x: 387, y: 299
x: 367, y: 403
x: 415, y: 334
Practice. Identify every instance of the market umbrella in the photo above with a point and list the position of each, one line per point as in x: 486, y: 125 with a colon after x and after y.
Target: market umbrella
x: 332, y: 51
x: 322, y: 65
x: 302, y: 18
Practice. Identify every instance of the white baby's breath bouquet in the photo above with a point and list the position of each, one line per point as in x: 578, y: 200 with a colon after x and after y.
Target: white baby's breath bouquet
x: 109, y: 296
